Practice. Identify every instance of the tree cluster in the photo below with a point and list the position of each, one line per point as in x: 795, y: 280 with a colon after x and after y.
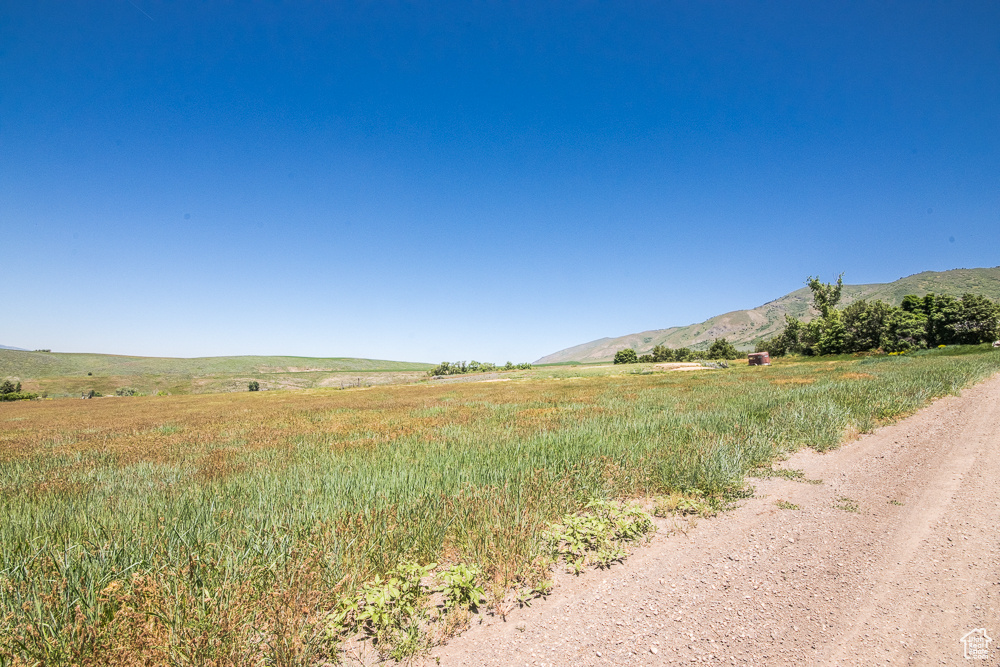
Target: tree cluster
x: 10, y: 391
x: 719, y: 349
x: 461, y: 367
x: 863, y: 326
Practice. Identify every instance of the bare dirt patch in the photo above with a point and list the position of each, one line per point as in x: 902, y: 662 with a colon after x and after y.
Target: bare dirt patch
x: 679, y: 366
x: 891, y: 560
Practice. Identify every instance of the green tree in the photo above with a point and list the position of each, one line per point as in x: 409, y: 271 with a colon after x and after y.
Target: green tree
x: 253, y: 386
x: 770, y: 346
x: 825, y: 295
x: 977, y: 320
x: 906, y: 330
x: 662, y: 353
x: 786, y: 342
x: 683, y: 354
x: 809, y: 335
x: 832, y: 335
x: 941, y: 313
x: 626, y: 356
x: 722, y: 349
x: 914, y: 304
x: 867, y: 325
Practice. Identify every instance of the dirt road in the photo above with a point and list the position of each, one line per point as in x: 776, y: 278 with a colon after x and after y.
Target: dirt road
x: 891, y: 560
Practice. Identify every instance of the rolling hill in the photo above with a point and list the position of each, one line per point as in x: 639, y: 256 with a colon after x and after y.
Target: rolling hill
x: 744, y: 327
x: 66, y: 374
x: 49, y: 364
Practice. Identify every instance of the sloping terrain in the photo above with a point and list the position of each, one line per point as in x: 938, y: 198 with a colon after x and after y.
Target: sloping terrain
x: 30, y: 365
x: 744, y: 327
x: 62, y: 374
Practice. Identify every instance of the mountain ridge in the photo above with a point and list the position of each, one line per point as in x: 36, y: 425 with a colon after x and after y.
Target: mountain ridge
x: 743, y: 328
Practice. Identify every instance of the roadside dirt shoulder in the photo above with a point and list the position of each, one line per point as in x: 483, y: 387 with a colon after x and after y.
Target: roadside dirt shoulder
x: 891, y: 560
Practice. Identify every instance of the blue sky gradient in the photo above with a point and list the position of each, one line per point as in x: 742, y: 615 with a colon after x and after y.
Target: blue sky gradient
x: 491, y: 181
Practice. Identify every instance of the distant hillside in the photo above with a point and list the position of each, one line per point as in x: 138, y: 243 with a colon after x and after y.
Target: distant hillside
x: 8, y: 347
x: 62, y: 374
x: 30, y: 365
x: 744, y: 327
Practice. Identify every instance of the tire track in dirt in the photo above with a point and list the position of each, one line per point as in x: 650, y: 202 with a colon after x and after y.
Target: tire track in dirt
x: 890, y: 561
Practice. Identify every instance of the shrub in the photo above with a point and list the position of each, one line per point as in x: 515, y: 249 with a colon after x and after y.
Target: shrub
x: 460, y: 587
x: 626, y: 356
x: 390, y: 611
x: 646, y: 359
x: 17, y: 396
x: 598, y: 535
x: 450, y: 368
x: 126, y: 391
x: 460, y: 367
x: 444, y: 368
x: 253, y: 386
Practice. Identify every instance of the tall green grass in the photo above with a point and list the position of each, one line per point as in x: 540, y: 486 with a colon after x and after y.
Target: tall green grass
x: 94, y: 545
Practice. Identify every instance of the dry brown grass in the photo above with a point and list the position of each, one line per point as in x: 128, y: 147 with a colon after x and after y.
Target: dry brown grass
x: 856, y: 376
x: 153, y: 428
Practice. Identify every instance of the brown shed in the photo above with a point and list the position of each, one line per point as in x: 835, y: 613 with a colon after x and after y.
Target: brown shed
x: 759, y: 359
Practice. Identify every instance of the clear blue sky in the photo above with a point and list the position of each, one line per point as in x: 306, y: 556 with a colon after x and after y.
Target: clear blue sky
x: 491, y: 181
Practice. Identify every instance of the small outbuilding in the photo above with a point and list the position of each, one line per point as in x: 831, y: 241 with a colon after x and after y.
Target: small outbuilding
x: 759, y: 359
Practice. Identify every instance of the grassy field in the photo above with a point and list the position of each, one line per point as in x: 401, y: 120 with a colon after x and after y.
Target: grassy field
x: 224, y: 529
x: 66, y: 374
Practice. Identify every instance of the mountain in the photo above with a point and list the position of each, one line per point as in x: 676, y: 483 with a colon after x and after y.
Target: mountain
x: 8, y: 347
x: 744, y: 327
